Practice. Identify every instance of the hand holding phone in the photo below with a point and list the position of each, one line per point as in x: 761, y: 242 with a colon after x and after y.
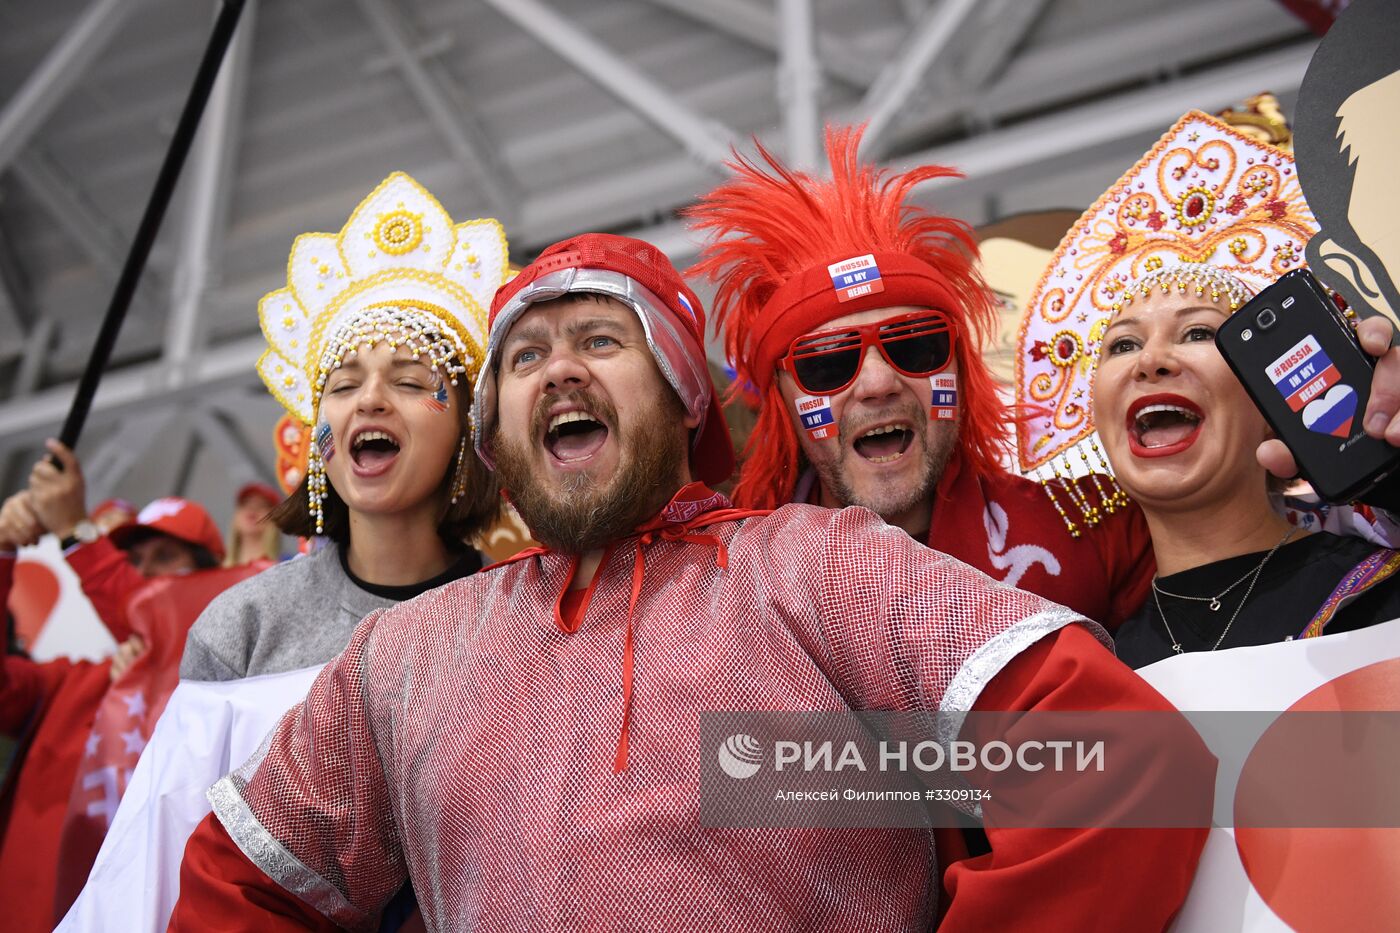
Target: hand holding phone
x: 1299, y: 361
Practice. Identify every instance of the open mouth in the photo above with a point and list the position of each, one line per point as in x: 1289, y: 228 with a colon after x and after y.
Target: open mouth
x: 884, y: 444
x: 373, y: 450
x: 574, y: 435
x: 1164, y: 424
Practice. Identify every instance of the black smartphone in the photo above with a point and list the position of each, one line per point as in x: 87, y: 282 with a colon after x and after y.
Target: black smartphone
x: 1299, y: 360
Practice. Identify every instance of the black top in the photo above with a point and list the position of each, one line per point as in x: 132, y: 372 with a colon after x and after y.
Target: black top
x: 1292, y: 588
x: 468, y: 563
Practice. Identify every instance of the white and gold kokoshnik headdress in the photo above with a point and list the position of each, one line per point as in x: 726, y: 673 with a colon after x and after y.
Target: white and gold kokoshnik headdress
x: 400, y: 272
x: 1209, y: 210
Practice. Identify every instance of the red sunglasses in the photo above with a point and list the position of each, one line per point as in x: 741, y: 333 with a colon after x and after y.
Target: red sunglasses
x: 916, y: 344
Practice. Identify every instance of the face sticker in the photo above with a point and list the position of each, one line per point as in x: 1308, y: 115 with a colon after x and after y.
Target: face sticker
x: 943, y: 406
x: 437, y: 402
x: 855, y: 278
x: 1311, y: 385
x: 815, y: 412
x: 325, y: 441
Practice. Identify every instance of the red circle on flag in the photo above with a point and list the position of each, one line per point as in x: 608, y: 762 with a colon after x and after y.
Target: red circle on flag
x: 32, y: 598
x: 1335, y: 878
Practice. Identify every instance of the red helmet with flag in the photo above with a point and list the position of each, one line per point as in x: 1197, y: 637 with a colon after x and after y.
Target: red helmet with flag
x: 640, y: 276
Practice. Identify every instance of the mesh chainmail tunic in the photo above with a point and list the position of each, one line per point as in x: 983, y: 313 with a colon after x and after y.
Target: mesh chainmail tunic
x: 467, y: 740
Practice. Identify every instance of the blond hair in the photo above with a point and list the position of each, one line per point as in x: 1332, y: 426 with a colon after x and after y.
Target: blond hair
x: 269, y: 546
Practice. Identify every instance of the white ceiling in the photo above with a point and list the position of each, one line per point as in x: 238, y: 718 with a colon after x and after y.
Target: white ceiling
x: 554, y: 115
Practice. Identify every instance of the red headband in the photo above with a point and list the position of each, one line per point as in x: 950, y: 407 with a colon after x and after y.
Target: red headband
x: 813, y: 297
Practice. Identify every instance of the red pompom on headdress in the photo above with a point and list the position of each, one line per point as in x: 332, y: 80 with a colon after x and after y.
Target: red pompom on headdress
x: 772, y: 237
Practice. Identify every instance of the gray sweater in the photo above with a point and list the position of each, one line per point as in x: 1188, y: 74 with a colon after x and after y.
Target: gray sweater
x: 295, y: 615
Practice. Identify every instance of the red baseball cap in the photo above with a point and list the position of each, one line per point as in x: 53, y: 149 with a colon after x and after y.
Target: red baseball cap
x: 179, y: 518
x: 643, y: 278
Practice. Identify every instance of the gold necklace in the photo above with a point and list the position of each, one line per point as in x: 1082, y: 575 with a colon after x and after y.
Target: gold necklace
x: 1254, y: 574
x: 1213, y: 600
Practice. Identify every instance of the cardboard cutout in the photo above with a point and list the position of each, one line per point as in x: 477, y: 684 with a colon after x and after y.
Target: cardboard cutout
x: 1347, y: 136
x: 1015, y: 251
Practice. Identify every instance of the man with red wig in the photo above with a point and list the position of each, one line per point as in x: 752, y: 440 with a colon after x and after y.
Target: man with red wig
x: 524, y: 743
x: 858, y: 319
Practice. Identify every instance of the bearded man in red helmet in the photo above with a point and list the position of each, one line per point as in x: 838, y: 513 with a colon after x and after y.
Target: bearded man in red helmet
x: 523, y: 744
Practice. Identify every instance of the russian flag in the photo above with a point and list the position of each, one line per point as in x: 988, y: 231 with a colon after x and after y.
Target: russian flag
x: 815, y: 412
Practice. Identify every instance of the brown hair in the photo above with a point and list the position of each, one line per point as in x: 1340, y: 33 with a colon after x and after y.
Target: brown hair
x: 458, y: 523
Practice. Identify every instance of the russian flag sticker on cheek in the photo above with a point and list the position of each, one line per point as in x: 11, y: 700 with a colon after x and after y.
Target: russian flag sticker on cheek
x: 437, y: 402
x: 853, y: 278
x: 815, y: 412
x: 943, y: 406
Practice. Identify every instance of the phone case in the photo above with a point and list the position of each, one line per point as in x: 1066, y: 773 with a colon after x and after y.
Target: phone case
x: 1309, y: 376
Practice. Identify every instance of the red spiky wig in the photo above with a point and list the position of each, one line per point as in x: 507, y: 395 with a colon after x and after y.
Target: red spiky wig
x: 771, y: 238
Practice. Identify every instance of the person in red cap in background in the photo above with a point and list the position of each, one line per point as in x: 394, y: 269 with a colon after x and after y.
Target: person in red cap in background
x: 80, y: 726
x: 169, y: 536
x: 523, y: 743
x: 251, y: 534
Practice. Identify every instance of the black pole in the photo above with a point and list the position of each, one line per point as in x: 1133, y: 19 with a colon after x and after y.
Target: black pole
x: 151, y: 220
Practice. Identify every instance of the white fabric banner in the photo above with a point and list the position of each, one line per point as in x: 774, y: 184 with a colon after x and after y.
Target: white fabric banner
x: 210, y: 728
x: 206, y: 731
x: 1268, y: 678
x: 66, y: 623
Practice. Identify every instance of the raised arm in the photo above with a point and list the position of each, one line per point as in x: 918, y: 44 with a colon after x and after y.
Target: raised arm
x: 108, y: 580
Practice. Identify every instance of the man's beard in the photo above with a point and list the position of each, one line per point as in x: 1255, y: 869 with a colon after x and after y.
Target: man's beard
x: 585, y: 512
x: 888, y: 503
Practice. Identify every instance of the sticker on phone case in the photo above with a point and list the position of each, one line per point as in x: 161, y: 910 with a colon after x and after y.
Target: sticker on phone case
x: 815, y: 412
x: 1312, y: 386
x: 944, y: 404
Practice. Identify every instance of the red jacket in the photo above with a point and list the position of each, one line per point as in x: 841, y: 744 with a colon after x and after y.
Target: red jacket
x: 48, y: 709
x: 1008, y: 527
x: 51, y: 708
x: 108, y: 581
